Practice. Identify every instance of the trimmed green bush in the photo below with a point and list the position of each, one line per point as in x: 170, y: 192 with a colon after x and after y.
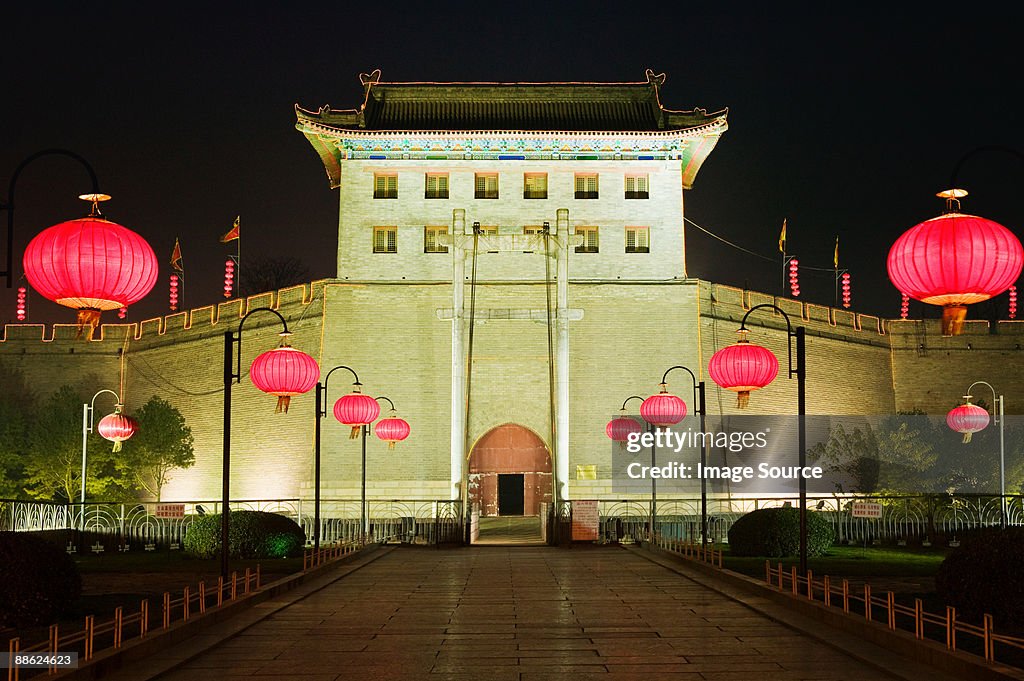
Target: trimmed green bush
x: 775, y: 533
x: 38, y: 581
x: 983, y: 576
x: 251, y: 534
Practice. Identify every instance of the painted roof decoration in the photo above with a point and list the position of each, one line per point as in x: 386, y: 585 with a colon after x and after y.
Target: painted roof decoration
x: 511, y: 121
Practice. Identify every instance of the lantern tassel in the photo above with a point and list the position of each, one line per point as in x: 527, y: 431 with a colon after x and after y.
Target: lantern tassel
x: 355, y: 432
x: 282, y: 404
x: 88, y: 320
x: 391, y: 444
x: 117, y: 446
x: 967, y: 437
x: 742, y: 399
x: 953, y: 317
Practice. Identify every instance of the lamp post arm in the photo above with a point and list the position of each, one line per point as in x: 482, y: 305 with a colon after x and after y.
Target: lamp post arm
x: 92, y: 405
x: 237, y: 337
x: 973, y: 152
x: 631, y: 397
x: 321, y: 389
x: 696, y: 401
x: 789, y: 331
x: 995, y: 411
x: 387, y: 399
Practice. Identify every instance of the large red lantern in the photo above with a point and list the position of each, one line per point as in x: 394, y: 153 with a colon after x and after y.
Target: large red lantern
x: 356, y: 410
x: 285, y: 372
x: 967, y: 419
x: 742, y: 368
x: 91, y: 265
x: 392, y: 429
x: 621, y: 427
x: 663, y: 409
x: 117, y: 427
x: 955, y: 260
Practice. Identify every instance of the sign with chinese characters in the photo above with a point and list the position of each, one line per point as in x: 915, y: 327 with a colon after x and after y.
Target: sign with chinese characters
x: 864, y: 509
x: 586, y: 520
x: 170, y: 511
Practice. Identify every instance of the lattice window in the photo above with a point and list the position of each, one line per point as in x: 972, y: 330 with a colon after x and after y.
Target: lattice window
x: 586, y: 185
x: 637, y: 187
x: 589, y: 244
x: 535, y: 185
x: 385, y: 185
x: 638, y: 240
x: 430, y: 240
x: 487, y: 185
x: 385, y: 239
x: 437, y: 186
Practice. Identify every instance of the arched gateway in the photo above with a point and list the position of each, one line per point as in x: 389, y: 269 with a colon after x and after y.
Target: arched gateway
x: 509, y: 472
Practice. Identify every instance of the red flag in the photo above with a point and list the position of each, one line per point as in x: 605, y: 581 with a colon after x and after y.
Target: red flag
x: 176, y: 257
x: 233, y: 234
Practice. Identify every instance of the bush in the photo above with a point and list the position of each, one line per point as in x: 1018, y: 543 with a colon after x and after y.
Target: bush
x: 251, y: 534
x: 983, y: 576
x: 775, y: 533
x: 38, y: 581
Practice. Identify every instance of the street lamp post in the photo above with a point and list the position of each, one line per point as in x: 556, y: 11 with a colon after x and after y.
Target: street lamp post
x: 8, y: 272
x: 233, y: 374
x: 999, y: 417
x: 700, y: 406
x: 88, y: 412
x: 321, y: 411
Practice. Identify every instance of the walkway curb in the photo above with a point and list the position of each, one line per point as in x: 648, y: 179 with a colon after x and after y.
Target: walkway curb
x: 165, y: 649
x: 868, y: 642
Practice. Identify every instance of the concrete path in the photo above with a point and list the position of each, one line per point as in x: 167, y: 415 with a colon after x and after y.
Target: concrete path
x: 522, y: 614
x: 509, y: 531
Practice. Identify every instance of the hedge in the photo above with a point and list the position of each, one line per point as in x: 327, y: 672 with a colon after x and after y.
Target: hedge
x: 38, y: 581
x: 983, y: 576
x: 251, y: 534
x: 775, y: 533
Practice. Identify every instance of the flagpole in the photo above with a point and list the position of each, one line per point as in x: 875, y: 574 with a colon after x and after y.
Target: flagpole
x: 238, y: 259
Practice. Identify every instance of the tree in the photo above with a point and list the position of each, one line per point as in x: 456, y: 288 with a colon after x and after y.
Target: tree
x: 162, y: 444
x: 53, y: 467
x: 16, y: 408
x: 262, y: 274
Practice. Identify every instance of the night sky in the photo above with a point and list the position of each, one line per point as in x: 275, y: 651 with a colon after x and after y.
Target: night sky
x: 844, y: 125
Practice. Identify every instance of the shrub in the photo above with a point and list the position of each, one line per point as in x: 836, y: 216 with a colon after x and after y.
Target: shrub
x: 38, y: 581
x: 251, y: 534
x: 775, y: 533
x: 983, y: 576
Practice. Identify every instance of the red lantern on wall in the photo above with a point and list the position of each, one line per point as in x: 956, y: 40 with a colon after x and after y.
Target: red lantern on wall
x: 967, y: 419
x: 621, y: 427
x: 285, y: 372
x: 172, y: 298
x: 743, y: 367
x: 794, y: 277
x: 356, y: 410
x: 1013, y: 302
x: 846, y: 290
x: 663, y: 409
x: 117, y: 427
x: 22, y: 295
x: 91, y: 265
x: 392, y: 429
x: 955, y: 260
x: 229, y: 277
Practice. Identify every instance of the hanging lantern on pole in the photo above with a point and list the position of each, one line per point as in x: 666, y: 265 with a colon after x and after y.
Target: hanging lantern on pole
x: 356, y: 410
x: 794, y: 277
x: 743, y: 367
x: 229, y: 277
x: 117, y: 427
x: 904, y: 306
x: 22, y: 295
x: 663, y: 409
x: 846, y: 290
x: 285, y: 372
x: 173, y: 296
x: 1013, y: 302
x: 955, y: 260
x: 392, y: 429
x: 967, y: 419
x: 621, y: 427
x: 103, y: 266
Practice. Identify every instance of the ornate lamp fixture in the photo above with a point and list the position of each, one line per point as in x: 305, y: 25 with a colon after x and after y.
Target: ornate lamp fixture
x: 357, y: 410
x: 663, y: 409
x: 392, y: 429
x: 967, y: 419
x: 117, y: 427
x: 285, y: 372
x: 743, y: 368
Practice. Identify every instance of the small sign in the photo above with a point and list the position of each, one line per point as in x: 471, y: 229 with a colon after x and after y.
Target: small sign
x: 170, y: 511
x: 586, y: 520
x: 866, y: 509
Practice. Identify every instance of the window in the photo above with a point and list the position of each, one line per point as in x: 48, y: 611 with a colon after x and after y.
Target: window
x: 636, y: 187
x: 535, y: 185
x: 385, y: 239
x: 638, y: 240
x: 385, y: 185
x: 437, y: 186
x: 586, y: 185
x: 486, y: 185
x: 430, y: 241
x: 589, y: 244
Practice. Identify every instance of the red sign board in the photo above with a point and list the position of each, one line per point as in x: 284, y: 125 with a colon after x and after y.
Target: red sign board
x: 170, y: 511
x: 865, y: 509
x: 586, y: 520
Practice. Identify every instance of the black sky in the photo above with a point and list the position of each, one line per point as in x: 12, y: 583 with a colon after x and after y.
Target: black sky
x: 843, y: 125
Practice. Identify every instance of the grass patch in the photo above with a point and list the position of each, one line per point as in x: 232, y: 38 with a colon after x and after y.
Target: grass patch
x: 851, y: 561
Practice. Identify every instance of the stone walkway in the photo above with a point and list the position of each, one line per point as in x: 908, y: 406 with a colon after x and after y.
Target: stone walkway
x: 522, y: 614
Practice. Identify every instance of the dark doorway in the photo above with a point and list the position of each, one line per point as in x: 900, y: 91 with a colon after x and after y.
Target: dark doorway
x: 510, y: 493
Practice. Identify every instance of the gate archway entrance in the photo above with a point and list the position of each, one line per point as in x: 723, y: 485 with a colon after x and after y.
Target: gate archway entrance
x: 509, y: 472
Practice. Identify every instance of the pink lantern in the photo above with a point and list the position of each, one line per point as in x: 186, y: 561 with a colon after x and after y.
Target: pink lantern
x: 285, y: 372
x: 392, y: 429
x: 90, y: 264
x: 117, y: 427
x: 955, y: 260
x: 663, y: 409
x: 967, y: 419
x: 621, y: 427
x: 356, y: 410
x: 742, y: 368
x: 22, y: 293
